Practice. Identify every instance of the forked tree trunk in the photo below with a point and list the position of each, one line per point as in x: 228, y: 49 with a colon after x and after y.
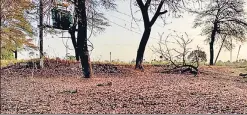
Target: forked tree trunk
x: 148, y: 25
x: 73, y: 30
x: 219, y: 50
x: 82, y: 39
x: 141, y: 49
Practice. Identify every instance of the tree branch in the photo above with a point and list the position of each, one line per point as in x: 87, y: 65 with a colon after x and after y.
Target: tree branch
x: 235, y: 20
x: 158, y: 13
x: 147, y: 4
x: 144, y: 11
x: 140, y: 3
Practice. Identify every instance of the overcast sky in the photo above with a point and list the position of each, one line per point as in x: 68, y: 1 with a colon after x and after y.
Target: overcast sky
x: 123, y: 41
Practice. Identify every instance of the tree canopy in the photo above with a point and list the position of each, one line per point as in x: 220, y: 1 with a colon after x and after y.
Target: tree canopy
x: 14, y: 25
x: 222, y: 19
x: 229, y: 16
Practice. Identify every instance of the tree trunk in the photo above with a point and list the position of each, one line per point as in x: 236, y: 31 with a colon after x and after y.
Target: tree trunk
x: 211, y: 44
x: 141, y: 49
x: 184, y: 57
x: 219, y: 50
x: 73, y: 39
x: 82, y: 40
x: 1, y: 31
x: 147, y: 24
x: 238, y: 52
x: 85, y: 59
x: 15, y: 52
x: 41, y: 35
x: 73, y: 30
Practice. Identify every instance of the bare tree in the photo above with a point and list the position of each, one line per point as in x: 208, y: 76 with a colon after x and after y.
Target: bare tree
x: 147, y: 27
x: 222, y: 18
x: 183, y: 44
x: 157, y: 8
x: 177, y: 56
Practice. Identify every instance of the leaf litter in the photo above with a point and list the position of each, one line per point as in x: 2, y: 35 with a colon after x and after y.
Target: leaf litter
x: 119, y: 89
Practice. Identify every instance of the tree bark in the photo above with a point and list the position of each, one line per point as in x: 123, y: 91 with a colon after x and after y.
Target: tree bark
x: 211, y: 44
x: 73, y: 39
x: 85, y: 59
x: 72, y: 31
x: 41, y: 35
x: 219, y: 50
x: 15, y: 52
x: 141, y: 49
x: 238, y: 52
x: 147, y: 24
x: 82, y: 40
x: 1, y: 31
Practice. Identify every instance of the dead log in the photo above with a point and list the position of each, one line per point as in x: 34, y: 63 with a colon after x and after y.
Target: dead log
x: 243, y: 75
x: 189, y: 68
x: 183, y: 69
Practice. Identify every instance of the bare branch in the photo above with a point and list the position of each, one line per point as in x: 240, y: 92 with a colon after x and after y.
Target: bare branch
x: 158, y: 13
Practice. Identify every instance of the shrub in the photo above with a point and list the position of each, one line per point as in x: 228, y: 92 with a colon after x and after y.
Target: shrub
x: 7, y: 55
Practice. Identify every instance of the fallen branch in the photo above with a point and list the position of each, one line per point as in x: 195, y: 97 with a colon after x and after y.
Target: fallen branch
x: 184, y: 69
x: 243, y: 75
x: 182, y: 53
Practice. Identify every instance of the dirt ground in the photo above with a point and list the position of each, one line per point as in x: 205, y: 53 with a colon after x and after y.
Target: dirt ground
x: 121, y: 89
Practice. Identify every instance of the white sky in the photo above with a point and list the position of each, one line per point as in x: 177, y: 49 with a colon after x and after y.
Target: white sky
x: 123, y: 43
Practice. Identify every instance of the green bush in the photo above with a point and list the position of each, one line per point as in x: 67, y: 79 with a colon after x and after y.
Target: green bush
x: 7, y: 55
x: 5, y: 63
x: 71, y: 58
x: 239, y: 64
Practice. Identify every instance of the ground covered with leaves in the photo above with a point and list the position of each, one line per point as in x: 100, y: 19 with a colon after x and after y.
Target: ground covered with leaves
x: 59, y: 88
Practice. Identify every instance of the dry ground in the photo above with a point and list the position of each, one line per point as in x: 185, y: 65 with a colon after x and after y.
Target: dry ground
x: 124, y: 90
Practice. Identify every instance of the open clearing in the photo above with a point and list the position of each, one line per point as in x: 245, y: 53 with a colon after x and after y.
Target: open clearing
x: 122, y: 90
